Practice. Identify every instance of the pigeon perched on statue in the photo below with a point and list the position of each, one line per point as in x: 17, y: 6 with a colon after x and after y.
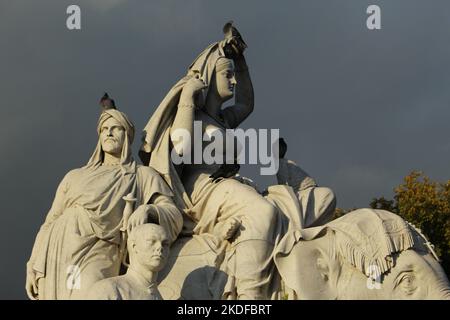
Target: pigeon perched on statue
x: 235, y: 45
x: 107, y: 103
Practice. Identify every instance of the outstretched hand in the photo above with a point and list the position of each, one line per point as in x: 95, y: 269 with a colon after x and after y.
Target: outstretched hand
x: 143, y: 214
x: 138, y: 217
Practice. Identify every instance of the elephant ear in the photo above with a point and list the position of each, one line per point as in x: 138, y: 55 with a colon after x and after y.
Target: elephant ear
x: 309, y: 269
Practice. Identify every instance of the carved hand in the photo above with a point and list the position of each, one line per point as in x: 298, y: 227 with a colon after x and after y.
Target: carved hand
x: 31, y: 283
x: 139, y: 216
x: 191, y: 90
x: 232, y: 227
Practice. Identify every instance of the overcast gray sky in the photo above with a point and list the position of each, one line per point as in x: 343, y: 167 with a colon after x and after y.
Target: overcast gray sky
x: 359, y: 109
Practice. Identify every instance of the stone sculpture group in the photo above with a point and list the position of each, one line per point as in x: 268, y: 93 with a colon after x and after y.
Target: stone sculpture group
x: 112, y: 222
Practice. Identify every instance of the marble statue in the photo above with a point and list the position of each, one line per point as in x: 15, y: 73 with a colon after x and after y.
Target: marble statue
x: 212, y: 80
x: 280, y: 221
x: 194, y: 268
x: 82, y: 238
x: 227, y: 238
x: 316, y: 203
x: 365, y: 254
x: 208, y: 203
x: 148, y: 248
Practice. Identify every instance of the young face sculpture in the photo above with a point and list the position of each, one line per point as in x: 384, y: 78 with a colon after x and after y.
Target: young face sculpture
x: 149, y: 246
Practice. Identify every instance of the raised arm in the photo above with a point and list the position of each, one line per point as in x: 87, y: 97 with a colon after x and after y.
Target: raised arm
x: 244, y: 96
x: 184, y: 119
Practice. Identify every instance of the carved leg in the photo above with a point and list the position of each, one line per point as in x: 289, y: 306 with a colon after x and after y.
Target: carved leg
x: 253, y: 272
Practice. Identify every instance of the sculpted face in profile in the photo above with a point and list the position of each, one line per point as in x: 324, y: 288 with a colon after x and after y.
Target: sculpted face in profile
x: 224, y: 83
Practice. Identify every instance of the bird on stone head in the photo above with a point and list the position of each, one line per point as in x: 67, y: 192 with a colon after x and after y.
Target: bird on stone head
x: 107, y: 103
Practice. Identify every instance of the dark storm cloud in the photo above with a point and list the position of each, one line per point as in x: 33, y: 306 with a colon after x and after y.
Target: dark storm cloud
x: 358, y: 108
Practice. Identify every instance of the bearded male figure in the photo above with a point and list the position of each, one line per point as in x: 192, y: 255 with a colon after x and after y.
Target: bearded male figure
x: 81, y: 241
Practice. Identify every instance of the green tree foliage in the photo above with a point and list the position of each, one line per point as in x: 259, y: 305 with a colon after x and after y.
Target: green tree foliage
x: 384, y: 204
x: 425, y: 204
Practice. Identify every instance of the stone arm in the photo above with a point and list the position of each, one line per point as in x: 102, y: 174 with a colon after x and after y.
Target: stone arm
x: 184, y: 118
x: 183, y: 122
x: 244, y: 95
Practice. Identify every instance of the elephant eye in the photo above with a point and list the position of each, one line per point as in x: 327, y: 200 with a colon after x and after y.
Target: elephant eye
x: 406, y: 282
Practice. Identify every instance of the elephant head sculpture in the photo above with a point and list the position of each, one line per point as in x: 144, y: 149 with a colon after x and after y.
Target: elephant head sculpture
x: 366, y: 254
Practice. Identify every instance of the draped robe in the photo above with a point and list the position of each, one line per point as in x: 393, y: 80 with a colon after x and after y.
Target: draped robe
x: 79, y: 243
